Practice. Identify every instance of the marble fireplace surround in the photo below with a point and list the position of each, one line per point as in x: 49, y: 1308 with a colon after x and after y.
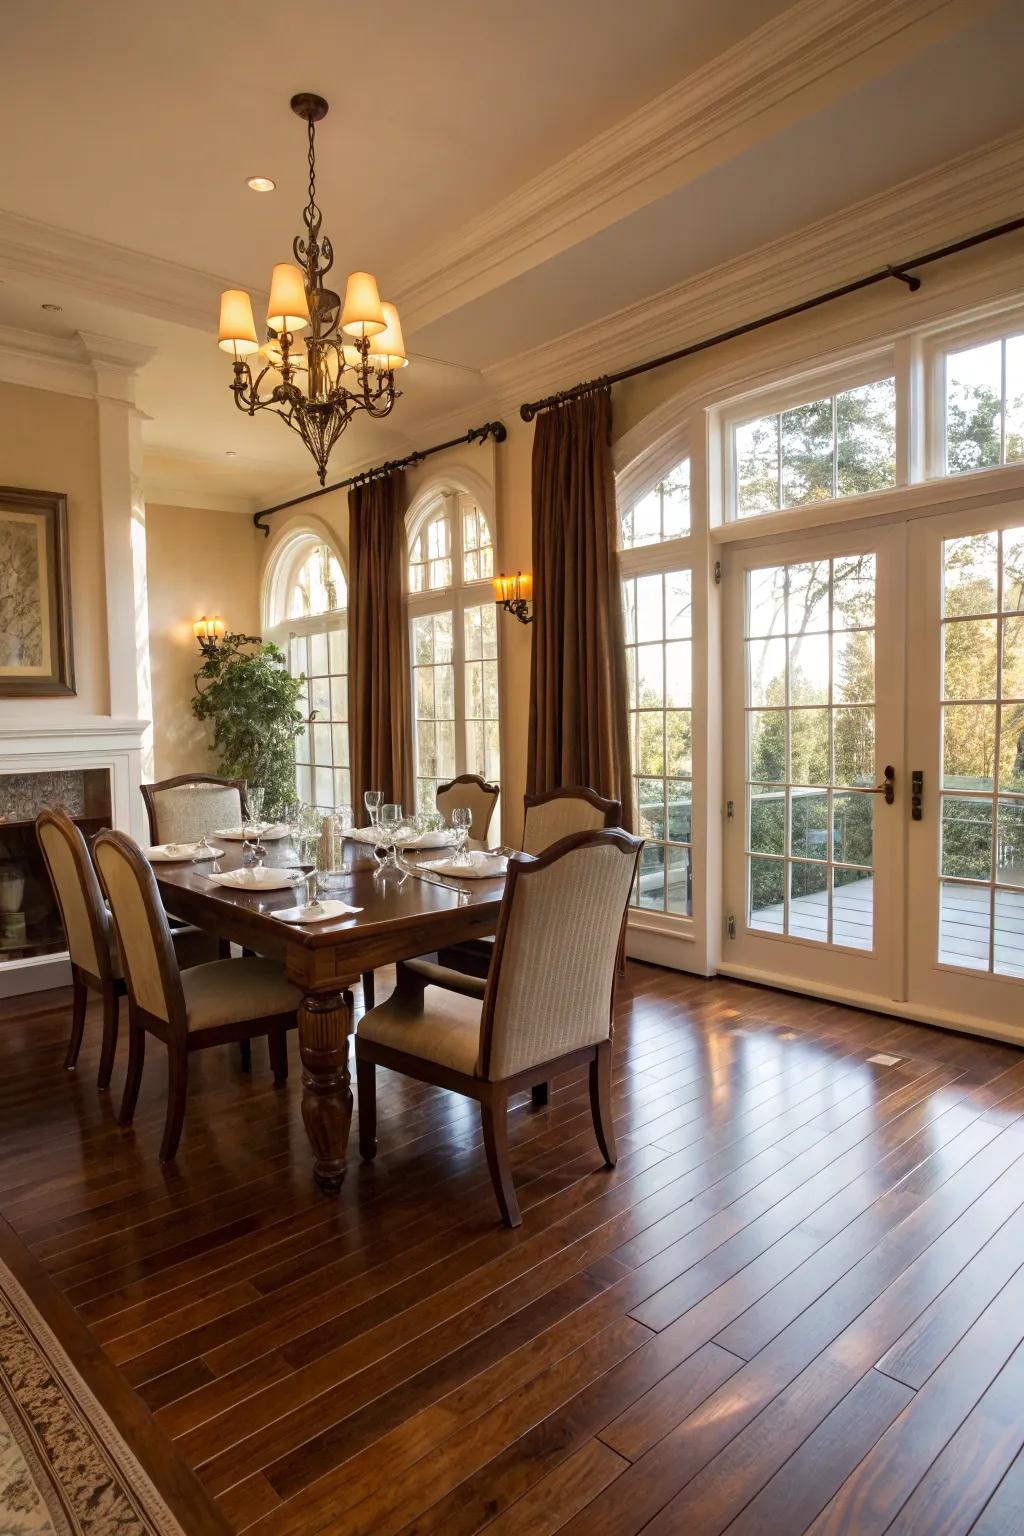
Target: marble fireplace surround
x: 84, y: 742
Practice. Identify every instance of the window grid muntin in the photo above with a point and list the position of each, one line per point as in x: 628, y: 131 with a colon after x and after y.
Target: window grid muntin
x: 787, y: 861
x: 434, y: 675
x: 670, y: 852
x: 1003, y: 341
x: 482, y: 731
x: 996, y: 797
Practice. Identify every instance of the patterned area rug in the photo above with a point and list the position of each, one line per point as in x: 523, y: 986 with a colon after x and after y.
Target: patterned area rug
x: 65, y: 1470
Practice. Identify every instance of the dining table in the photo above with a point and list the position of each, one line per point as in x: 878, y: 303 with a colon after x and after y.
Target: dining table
x: 404, y: 911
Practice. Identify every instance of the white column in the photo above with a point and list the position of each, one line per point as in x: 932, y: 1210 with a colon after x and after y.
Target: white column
x: 115, y: 364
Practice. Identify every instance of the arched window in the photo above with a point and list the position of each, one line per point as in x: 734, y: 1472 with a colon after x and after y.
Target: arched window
x: 454, y: 641
x: 306, y: 610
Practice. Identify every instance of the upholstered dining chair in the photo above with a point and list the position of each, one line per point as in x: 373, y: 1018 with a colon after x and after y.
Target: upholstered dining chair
x: 188, y: 1010
x: 471, y: 790
x: 92, y: 947
x: 193, y: 805
x: 545, y: 1007
x: 554, y: 814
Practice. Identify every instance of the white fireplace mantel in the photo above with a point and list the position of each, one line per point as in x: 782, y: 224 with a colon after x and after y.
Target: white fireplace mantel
x: 78, y: 741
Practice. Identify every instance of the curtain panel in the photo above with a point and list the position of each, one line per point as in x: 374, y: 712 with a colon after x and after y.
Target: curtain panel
x: 579, y: 730
x: 379, y: 709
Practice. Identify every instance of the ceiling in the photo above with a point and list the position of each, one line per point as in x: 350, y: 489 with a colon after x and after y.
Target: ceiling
x: 469, y: 159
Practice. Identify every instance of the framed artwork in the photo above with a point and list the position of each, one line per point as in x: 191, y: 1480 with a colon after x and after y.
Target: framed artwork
x: 36, y: 652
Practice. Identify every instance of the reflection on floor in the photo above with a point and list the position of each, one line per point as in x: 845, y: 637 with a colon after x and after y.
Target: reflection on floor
x: 797, y: 1301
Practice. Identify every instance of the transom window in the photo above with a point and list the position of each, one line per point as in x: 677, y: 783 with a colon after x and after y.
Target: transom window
x: 454, y: 645
x: 663, y: 513
x: 843, y: 444
x: 984, y: 414
x: 317, y: 584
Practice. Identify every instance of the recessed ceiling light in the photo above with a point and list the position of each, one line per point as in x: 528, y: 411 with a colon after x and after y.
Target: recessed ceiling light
x: 54, y: 309
x: 230, y: 453
x: 260, y: 184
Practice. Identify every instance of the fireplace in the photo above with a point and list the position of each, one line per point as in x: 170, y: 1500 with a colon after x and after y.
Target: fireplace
x: 30, y: 923
x: 90, y: 767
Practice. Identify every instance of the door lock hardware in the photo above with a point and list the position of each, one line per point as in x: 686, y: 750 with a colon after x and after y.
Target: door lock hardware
x: 916, y: 795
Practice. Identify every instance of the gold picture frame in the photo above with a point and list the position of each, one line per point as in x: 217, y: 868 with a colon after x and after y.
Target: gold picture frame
x: 36, y: 647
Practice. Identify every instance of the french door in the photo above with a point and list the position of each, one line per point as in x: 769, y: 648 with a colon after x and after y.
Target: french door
x: 874, y: 750
x: 813, y: 666
x: 965, y: 741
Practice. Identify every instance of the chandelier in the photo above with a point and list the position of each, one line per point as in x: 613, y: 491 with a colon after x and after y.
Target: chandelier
x: 348, y: 358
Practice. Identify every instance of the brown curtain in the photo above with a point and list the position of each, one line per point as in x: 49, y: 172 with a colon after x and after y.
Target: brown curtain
x: 579, y: 731
x: 379, y: 712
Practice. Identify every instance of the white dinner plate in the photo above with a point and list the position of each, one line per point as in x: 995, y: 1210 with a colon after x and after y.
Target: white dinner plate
x: 269, y: 832
x: 257, y: 878
x: 180, y: 853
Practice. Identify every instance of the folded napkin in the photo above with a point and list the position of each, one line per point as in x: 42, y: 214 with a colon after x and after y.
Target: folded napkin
x: 441, y: 839
x: 270, y: 831
x: 363, y: 834
x: 172, y: 853
x: 319, y: 912
x: 481, y: 866
x: 258, y: 877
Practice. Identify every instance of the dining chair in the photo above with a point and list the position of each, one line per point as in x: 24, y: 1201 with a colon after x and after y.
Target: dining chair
x: 188, y: 1010
x: 545, y: 1007
x: 554, y: 814
x: 92, y: 945
x: 471, y: 790
x: 193, y: 805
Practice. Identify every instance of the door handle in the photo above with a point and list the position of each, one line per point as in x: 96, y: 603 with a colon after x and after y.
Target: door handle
x: 887, y: 788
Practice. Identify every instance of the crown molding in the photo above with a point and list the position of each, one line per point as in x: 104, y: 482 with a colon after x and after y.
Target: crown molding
x: 983, y: 187
x: 88, y: 365
x: 111, y: 274
x: 772, y: 77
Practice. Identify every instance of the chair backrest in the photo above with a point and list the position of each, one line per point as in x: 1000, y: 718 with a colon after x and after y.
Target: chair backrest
x: 558, y: 813
x: 183, y: 809
x: 469, y: 789
x: 85, y: 918
x: 552, y: 979
x: 147, y: 951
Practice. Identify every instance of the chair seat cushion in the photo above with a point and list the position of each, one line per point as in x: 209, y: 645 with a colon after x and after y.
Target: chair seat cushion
x: 446, y: 1030
x: 233, y: 991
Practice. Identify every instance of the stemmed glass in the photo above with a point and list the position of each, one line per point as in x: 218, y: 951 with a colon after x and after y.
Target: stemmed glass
x: 308, y: 842
x: 253, y: 826
x: 462, y: 820
x: 372, y: 800
x: 389, y: 820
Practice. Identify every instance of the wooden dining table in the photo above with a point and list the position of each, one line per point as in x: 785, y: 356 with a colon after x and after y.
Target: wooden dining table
x: 402, y: 915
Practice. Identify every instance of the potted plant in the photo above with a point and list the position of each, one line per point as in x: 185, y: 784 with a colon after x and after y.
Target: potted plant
x: 245, y: 689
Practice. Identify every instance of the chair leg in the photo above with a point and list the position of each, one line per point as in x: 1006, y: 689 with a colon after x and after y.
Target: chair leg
x: 133, y: 1076
x: 366, y: 1085
x: 368, y: 992
x: 539, y: 1095
x: 110, y: 1011
x: 79, y: 998
x: 494, y: 1121
x: 177, y: 1092
x: 277, y: 1044
x: 245, y: 1054
x: 601, y: 1101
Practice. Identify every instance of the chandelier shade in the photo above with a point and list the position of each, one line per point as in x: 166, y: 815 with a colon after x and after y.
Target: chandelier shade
x: 346, y: 358
x: 288, y: 309
x: 237, y: 327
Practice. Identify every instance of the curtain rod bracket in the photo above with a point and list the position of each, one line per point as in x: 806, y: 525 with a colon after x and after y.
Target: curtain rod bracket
x: 913, y: 283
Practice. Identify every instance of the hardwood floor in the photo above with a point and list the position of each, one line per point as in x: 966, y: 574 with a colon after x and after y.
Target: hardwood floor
x: 796, y: 1304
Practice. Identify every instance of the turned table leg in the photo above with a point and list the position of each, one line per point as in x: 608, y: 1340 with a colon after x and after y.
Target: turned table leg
x: 325, y: 1022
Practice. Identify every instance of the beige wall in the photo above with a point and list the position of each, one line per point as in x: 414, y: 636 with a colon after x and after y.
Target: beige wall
x: 197, y: 562
x: 49, y: 442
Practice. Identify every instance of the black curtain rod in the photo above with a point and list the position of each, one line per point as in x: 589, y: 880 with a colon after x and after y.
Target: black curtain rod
x: 495, y: 429
x: 901, y: 271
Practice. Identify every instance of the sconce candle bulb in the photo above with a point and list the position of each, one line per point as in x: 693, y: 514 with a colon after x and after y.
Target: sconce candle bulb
x: 513, y: 593
x: 209, y: 633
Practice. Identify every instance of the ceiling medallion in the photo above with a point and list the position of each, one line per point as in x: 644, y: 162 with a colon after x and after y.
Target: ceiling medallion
x: 348, y: 359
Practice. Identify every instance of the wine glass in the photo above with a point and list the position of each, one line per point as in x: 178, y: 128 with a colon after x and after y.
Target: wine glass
x: 372, y: 800
x: 462, y: 820
x: 388, y: 822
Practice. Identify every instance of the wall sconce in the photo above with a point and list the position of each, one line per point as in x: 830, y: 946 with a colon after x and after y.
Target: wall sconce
x: 513, y: 593
x: 209, y: 633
